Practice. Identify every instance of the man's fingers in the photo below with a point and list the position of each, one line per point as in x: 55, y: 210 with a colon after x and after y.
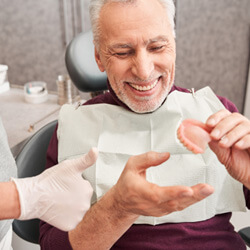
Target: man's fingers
x: 164, y: 200
x: 243, y: 143
x: 202, y: 190
x: 217, y: 117
x: 86, y: 160
x: 186, y: 198
x: 149, y: 159
x: 197, y: 192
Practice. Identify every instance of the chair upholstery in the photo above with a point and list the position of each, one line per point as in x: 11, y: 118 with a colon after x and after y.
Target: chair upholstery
x: 245, y: 235
x: 81, y: 64
x: 30, y: 162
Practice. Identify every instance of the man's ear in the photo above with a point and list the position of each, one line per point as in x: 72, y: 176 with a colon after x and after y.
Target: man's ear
x: 98, y: 61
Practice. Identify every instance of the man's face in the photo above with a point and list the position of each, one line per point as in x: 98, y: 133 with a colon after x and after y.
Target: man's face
x: 137, y: 51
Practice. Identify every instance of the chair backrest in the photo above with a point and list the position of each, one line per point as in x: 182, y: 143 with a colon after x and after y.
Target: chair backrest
x: 30, y: 162
x: 81, y: 64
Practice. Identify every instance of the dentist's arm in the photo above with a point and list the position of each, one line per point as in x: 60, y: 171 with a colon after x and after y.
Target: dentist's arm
x: 9, y: 202
x: 59, y: 195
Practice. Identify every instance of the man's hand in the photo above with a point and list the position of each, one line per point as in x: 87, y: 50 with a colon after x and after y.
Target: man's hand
x: 59, y: 196
x: 133, y: 194
x: 231, y: 143
x: 109, y: 218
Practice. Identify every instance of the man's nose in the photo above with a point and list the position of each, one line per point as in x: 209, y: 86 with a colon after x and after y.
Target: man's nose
x: 143, y: 65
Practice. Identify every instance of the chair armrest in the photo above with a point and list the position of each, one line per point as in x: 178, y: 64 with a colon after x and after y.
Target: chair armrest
x: 245, y: 235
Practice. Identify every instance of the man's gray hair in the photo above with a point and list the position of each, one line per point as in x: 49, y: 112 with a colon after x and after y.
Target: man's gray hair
x: 95, y: 7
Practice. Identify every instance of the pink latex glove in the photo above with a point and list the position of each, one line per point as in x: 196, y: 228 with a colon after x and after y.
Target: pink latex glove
x: 59, y: 195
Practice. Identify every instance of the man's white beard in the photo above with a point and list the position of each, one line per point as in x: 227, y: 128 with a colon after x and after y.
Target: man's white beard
x: 147, y: 107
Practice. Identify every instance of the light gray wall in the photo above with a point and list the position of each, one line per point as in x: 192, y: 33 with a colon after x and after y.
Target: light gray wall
x: 213, y: 40
x: 34, y: 35
x: 31, y: 41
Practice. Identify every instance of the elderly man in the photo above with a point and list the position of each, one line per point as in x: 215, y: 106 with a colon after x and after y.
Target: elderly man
x: 134, y: 207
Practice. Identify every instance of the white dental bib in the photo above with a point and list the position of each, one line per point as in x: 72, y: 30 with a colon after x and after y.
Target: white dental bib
x: 119, y: 134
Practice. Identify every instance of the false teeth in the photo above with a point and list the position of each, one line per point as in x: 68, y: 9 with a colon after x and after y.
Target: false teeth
x: 194, y: 135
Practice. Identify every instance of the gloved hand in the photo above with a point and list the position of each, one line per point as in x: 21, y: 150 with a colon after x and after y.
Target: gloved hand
x: 59, y: 195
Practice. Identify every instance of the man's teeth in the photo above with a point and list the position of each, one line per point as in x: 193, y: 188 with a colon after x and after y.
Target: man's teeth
x: 143, y: 88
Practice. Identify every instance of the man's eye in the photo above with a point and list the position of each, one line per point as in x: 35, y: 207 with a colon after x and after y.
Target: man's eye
x: 157, y: 48
x: 123, y: 54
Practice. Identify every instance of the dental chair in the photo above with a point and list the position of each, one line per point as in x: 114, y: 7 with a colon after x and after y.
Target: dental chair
x: 81, y: 64
x: 245, y: 235
x: 30, y: 162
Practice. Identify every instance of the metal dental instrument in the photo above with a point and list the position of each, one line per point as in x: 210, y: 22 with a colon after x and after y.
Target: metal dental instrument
x: 32, y: 126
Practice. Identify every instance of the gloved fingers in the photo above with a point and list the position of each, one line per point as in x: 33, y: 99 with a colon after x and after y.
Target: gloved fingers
x: 86, y: 160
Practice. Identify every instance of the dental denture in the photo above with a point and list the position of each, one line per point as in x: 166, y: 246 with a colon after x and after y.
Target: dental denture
x: 194, y: 135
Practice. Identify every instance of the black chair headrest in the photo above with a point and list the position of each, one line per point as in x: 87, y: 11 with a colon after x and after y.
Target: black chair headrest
x: 81, y: 64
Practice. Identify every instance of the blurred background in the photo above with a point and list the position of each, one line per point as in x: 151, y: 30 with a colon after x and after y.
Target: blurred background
x: 212, y: 42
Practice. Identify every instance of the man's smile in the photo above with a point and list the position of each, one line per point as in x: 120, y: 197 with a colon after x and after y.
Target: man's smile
x: 144, y: 87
